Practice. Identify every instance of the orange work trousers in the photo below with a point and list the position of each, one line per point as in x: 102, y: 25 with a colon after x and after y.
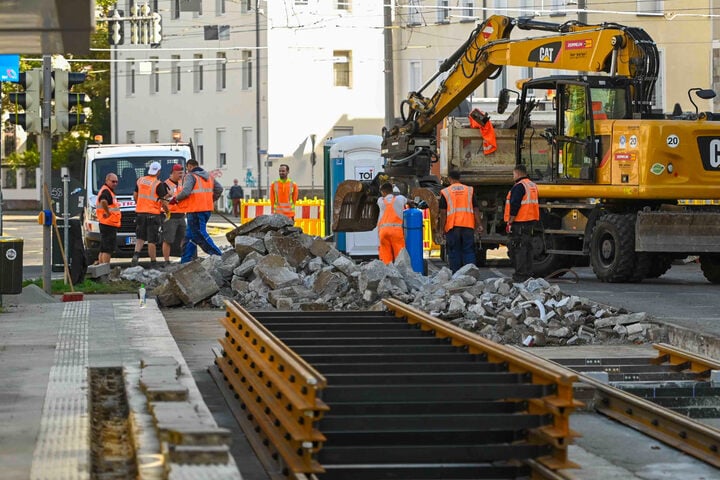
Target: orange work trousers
x: 392, y: 240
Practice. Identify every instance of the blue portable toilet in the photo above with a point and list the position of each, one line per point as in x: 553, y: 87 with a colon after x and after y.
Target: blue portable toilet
x: 354, y: 157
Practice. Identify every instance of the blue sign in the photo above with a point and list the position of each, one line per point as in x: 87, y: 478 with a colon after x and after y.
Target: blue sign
x: 10, y: 68
x: 276, y: 155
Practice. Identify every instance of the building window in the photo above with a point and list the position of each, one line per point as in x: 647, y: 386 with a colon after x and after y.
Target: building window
x: 174, y: 9
x: 247, y: 70
x: 300, y: 2
x: 248, y: 147
x: 414, y: 15
x: 246, y: 6
x: 644, y: 7
x: 468, y: 11
x: 414, y: 75
x: 342, y: 62
x: 154, y: 136
x: 198, y: 73
x: 154, y: 75
x: 175, y: 74
x: 222, y: 155
x: 219, y: 7
x: 130, y: 136
x: 443, y: 12
x: 557, y: 8
x: 199, y: 143
x: 131, y: 77
x: 343, y: 5
x: 221, y: 71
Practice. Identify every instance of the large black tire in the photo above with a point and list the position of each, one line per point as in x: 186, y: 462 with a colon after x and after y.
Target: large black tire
x: 660, y: 263
x: 710, y: 265
x: 546, y: 263
x: 612, y: 250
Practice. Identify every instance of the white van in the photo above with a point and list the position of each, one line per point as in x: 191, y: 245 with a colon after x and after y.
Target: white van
x: 129, y: 162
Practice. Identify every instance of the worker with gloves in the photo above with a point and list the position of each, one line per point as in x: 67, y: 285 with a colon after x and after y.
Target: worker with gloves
x: 522, y: 215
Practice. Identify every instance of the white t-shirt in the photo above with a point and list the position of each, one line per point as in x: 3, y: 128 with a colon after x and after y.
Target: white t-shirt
x: 399, y: 202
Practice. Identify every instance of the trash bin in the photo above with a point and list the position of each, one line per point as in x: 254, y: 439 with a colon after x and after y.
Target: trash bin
x: 11, y: 265
x: 77, y: 263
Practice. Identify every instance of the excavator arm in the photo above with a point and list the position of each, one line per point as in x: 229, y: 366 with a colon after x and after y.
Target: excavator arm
x: 409, y: 148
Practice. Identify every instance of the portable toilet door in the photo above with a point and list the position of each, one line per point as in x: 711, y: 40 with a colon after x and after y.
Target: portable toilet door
x: 355, y: 157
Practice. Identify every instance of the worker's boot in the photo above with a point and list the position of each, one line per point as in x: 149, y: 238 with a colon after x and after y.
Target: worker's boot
x: 135, y: 259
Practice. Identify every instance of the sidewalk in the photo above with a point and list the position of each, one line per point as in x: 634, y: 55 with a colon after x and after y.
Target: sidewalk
x: 49, y: 352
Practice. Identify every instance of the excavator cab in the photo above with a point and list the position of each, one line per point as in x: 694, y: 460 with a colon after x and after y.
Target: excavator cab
x: 576, y: 134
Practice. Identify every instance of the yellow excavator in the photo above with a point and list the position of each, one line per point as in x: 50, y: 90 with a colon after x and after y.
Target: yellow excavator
x: 622, y: 187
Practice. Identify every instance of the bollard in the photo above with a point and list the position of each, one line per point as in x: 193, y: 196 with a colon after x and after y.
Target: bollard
x: 413, y: 230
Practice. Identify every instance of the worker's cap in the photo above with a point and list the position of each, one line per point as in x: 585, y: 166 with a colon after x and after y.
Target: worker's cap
x: 177, y: 168
x: 154, y: 168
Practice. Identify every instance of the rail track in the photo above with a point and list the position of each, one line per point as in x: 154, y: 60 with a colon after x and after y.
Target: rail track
x: 401, y: 394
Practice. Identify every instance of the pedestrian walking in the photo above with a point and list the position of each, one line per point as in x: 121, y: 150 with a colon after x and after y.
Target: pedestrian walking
x: 150, y: 203
x: 284, y: 193
x: 390, y: 223
x: 236, y: 194
x: 460, y: 220
x: 521, y: 216
x: 109, y: 217
x: 173, y: 227
x: 197, y: 197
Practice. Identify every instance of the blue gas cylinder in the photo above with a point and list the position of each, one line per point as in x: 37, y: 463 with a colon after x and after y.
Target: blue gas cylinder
x: 413, y: 230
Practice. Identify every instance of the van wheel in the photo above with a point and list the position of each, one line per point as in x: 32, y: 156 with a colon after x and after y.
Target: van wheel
x: 92, y: 250
x: 710, y: 265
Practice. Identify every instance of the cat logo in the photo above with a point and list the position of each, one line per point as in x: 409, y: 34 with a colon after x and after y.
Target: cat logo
x: 545, y: 54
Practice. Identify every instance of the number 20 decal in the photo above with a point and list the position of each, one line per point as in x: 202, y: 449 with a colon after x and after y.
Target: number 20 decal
x: 672, y: 141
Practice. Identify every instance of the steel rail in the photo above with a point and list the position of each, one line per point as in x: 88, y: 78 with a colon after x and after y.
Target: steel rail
x: 682, y: 360
x: 278, y: 388
x: 671, y: 428
x: 560, y: 405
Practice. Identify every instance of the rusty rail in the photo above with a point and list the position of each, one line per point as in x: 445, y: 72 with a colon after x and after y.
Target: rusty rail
x: 280, y: 391
x: 682, y: 360
x: 560, y: 405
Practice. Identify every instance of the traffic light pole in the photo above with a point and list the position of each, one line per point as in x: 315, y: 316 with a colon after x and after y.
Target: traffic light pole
x: 46, y: 157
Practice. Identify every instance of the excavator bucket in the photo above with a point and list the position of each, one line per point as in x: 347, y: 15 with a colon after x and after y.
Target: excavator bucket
x: 355, y: 207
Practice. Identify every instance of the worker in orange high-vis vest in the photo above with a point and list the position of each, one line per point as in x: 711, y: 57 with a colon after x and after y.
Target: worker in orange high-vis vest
x: 197, y: 198
x: 109, y: 217
x: 150, y: 204
x: 522, y: 215
x: 284, y: 193
x: 173, y: 227
x: 390, y: 223
x: 461, y: 221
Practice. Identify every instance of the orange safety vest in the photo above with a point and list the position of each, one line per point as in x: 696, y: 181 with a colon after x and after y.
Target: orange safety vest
x: 147, y: 199
x: 459, y: 206
x: 282, y: 197
x: 173, y: 190
x: 115, y: 217
x: 201, y: 197
x: 390, y: 217
x: 529, y: 208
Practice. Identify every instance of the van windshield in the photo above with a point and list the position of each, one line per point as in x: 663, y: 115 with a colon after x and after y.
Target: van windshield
x: 128, y: 170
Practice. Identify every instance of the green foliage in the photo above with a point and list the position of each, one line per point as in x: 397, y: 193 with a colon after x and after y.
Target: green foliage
x: 29, y: 158
x: 88, y: 286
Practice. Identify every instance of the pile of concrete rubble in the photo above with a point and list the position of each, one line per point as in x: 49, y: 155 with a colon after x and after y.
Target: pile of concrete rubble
x: 276, y: 266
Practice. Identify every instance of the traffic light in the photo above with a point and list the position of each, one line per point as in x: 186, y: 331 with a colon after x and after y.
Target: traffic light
x: 29, y: 100
x: 65, y: 100
x: 116, y: 28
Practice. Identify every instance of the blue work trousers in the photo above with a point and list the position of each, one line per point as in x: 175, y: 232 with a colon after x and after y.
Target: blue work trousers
x: 460, y: 245
x: 196, y: 235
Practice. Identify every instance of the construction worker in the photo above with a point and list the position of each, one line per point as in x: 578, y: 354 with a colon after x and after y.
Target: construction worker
x: 174, y: 225
x: 461, y: 220
x: 196, y: 198
x: 284, y: 194
x: 150, y: 204
x: 109, y: 216
x: 390, y: 223
x: 522, y: 215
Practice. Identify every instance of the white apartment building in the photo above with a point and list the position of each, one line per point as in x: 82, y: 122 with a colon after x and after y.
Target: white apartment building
x: 250, y: 81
